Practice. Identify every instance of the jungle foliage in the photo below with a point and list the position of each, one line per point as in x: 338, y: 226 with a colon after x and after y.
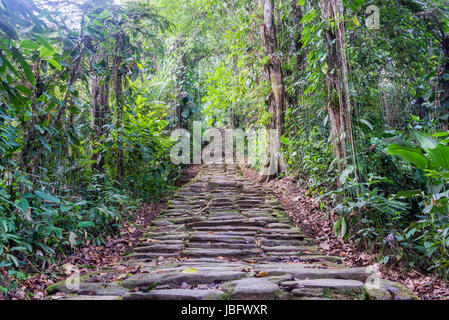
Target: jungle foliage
x: 81, y: 142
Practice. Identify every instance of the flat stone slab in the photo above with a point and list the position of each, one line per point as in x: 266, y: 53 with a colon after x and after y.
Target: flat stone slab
x: 177, y: 294
x: 178, y: 278
x: 334, y: 284
x: 212, y: 252
x: 252, y: 289
x: 88, y: 298
x: 221, y: 238
x: 304, y: 271
x: 389, y: 290
x: 161, y: 247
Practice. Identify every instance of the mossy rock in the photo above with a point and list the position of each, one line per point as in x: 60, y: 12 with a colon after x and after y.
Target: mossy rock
x: 389, y: 290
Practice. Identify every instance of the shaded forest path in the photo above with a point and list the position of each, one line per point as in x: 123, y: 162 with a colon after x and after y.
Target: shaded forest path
x: 223, y: 237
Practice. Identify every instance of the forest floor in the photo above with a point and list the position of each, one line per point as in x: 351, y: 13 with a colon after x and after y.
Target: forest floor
x: 318, y: 224
x: 91, y: 258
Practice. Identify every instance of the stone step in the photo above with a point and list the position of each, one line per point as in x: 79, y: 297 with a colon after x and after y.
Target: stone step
x: 160, y: 247
x: 218, y: 223
x: 236, y: 229
x: 333, y: 284
x: 177, y: 294
x: 221, y: 245
x: 213, y: 252
x: 221, y: 238
x: 153, y: 255
x: 145, y: 280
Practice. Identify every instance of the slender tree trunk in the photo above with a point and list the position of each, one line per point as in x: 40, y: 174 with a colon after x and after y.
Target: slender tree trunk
x: 444, y: 82
x: 119, y: 113
x: 182, y: 95
x: 100, y: 111
x: 297, y: 45
x: 338, y: 102
x: 273, y: 71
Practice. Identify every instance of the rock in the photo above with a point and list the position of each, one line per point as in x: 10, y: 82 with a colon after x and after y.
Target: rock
x: 389, y: 290
x: 177, y: 294
x: 84, y: 287
x: 177, y: 278
x: 333, y: 284
x: 252, y: 289
x: 212, y: 252
x: 221, y: 238
x: 92, y: 298
x: 158, y: 247
x: 304, y: 271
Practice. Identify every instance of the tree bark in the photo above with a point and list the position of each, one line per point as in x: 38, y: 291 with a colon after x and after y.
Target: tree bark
x: 119, y: 113
x: 100, y: 111
x: 273, y: 72
x: 338, y: 101
x: 444, y: 82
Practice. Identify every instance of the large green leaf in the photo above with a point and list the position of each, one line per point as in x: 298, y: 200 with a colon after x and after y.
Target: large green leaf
x: 29, y: 44
x: 85, y: 224
x: 413, y: 155
x: 25, y: 66
x: 46, y: 196
x: 6, y: 28
x: 426, y: 142
x: 405, y: 194
x: 439, y: 156
x: 46, y: 52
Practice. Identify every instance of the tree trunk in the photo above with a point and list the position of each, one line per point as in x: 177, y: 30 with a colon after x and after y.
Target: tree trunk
x: 444, y: 82
x: 273, y: 71
x: 100, y: 104
x: 119, y: 113
x: 338, y: 102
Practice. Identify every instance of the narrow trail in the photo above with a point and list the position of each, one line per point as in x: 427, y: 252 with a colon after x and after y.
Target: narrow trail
x: 223, y: 237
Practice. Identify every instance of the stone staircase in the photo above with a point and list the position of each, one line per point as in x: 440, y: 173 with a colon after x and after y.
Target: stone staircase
x: 223, y: 237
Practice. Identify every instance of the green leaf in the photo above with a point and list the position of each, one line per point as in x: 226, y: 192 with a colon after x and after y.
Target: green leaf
x: 345, y: 174
x: 301, y: 2
x: 55, y: 64
x: 367, y: 123
x: 337, y: 226
x: 44, y: 42
x: 25, y: 66
x: 344, y: 228
x: 284, y: 140
x: 104, y: 14
x: 440, y: 134
x: 405, y: 194
x: 413, y: 155
x: 47, y: 197
x: 29, y: 44
x: 10, y: 32
x: 85, y: 224
x: 24, y: 89
x: 46, y: 52
x: 426, y: 142
x: 439, y: 156
x: 189, y: 270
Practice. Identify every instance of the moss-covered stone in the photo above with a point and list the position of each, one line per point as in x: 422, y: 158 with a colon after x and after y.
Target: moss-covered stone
x: 389, y: 290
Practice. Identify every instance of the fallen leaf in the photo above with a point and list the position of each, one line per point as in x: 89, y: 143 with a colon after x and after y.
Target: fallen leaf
x: 261, y: 274
x: 189, y: 270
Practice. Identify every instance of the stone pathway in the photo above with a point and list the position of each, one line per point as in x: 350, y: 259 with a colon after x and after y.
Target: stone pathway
x: 222, y: 237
